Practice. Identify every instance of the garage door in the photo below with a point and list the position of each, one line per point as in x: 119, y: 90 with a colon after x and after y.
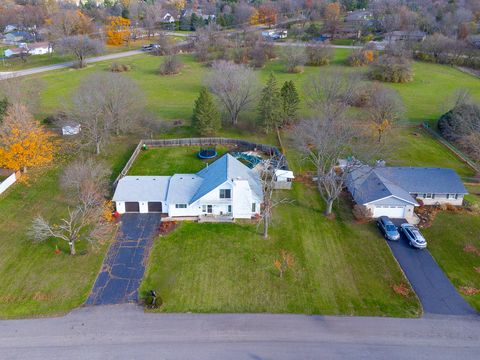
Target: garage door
x: 394, y: 212
x: 155, y: 207
x: 132, y: 207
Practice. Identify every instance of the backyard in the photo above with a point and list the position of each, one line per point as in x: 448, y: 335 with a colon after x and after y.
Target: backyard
x: 340, y: 267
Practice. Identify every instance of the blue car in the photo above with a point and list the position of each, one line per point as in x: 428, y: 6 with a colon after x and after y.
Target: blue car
x: 388, y: 229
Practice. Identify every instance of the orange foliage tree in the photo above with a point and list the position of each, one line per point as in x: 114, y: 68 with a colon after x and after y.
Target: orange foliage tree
x: 118, y: 30
x: 332, y: 17
x: 23, y: 142
x: 267, y: 14
x: 254, y: 18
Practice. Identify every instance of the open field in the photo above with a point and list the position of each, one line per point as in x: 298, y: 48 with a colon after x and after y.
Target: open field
x: 340, y: 267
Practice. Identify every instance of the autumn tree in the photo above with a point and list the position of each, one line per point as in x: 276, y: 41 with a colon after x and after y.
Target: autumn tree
x: 267, y: 14
x: 234, y: 85
x: 80, y: 46
x: 270, y: 105
x: 206, y: 118
x: 106, y: 104
x: 332, y: 18
x: 118, y: 30
x: 23, y: 142
x: 290, y: 102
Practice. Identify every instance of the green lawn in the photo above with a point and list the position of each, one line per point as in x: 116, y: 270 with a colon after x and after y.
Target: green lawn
x: 340, y: 268
x: 170, y: 160
x: 447, y: 238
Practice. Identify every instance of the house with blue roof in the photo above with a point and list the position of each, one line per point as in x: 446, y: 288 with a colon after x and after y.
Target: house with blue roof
x: 396, y: 191
x: 224, y: 188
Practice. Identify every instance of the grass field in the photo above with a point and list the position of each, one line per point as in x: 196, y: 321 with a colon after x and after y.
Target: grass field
x: 340, y: 267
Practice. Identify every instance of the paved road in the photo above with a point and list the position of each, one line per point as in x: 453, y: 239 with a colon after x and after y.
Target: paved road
x: 125, y: 332
x: 124, y: 265
x: 433, y: 288
x: 37, y: 70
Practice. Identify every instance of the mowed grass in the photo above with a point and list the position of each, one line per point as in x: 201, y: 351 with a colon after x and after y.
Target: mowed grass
x: 339, y: 267
x: 447, y: 239
x: 170, y: 160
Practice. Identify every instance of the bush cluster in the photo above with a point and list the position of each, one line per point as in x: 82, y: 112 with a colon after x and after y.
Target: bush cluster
x: 393, y: 69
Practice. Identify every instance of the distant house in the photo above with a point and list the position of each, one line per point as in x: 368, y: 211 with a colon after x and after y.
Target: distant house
x: 396, y: 191
x: 274, y: 34
x: 17, y: 37
x: 224, y: 188
x: 71, y: 129
x: 405, y: 36
x: 30, y: 49
x: 168, y: 18
x: 359, y: 17
x: 9, y: 28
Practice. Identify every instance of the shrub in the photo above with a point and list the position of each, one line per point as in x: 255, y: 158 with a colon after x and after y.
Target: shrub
x: 294, y: 58
x: 391, y: 69
x: 152, y: 300
x: 360, y: 57
x: 117, y: 67
x: 362, y: 213
x: 171, y: 66
x: 319, y: 55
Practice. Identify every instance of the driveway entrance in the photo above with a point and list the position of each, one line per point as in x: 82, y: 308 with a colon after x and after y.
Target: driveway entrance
x: 435, y: 291
x: 124, y: 266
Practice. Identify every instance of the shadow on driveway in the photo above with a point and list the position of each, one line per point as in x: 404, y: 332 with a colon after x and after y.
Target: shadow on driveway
x: 435, y: 291
x: 124, y: 266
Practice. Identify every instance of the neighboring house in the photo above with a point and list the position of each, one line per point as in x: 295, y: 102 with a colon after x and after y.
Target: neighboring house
x: 405, y: 36
x: 274, y: 34
x: 17, y: 37
x: 14, y: 52
x: 395, y: 191
x: 358, y: 17
x: 226, y: 187
x: 30, y: 49
x: 71, y: 129
x: 168, y: 18
x: 9, y: 28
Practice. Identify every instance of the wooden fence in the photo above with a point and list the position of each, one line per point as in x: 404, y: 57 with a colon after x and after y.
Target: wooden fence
x: 244, y: 144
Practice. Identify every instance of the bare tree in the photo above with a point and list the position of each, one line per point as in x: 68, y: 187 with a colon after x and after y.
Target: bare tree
x: 80, y: 46
x: 385, y: 107
x: 324, y: 141
x: 294, y: 58
x: 267, y: 178
x: 22, y: 91
x: 332, y: 93
x: 234, y: 85
x: 106, y: 104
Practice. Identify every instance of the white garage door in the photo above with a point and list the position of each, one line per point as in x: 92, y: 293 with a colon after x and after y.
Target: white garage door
x: 394, y: 212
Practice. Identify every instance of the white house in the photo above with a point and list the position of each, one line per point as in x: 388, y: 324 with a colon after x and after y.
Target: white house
x: 395, y: 191
x: 71, y: 129
x: 274, y: 34
x: 226, y: 187
x: 283, y: 179
x: 39, y: 48
x: 168, y: 18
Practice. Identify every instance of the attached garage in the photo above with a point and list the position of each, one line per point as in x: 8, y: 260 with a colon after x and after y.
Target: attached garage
x: 395, y: 212
x: 132, y: 207
x: 155, y: 207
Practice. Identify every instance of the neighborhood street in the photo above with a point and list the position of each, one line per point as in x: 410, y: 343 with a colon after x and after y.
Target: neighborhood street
x: 126, y: 332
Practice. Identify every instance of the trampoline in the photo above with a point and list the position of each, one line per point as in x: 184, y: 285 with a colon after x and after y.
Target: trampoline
x: 207, y: 153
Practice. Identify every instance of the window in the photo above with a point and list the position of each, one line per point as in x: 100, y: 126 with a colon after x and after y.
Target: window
x: 452, y: 196
x: 254, y: 207
x: 181, y: 206
x: 229, y: 208
x: 225, y: 193
x: 427, y: 196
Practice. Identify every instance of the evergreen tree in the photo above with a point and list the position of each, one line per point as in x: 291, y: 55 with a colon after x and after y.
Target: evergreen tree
x: 3, y: 108
x: 270, y: 105
x: 206, y: 117
x: 290, y: 102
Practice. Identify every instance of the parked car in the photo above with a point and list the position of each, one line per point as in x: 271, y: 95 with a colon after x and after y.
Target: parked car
x: 413, y: 235
x: 150, y: 47
x: 387, y: 227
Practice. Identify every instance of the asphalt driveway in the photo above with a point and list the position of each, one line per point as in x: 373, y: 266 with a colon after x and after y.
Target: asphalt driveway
x: 124, y: 266
x: 435, y: 291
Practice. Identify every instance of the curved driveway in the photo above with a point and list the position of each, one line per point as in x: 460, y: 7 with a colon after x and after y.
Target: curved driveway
x: 126, y: 332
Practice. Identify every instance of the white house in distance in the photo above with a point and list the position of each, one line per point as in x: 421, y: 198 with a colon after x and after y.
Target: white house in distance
x: 226, y: 187
x: 395, y: 191
x: 39, y: 48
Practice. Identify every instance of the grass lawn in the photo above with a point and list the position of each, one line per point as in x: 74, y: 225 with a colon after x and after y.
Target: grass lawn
x: 170, y: 160
x: 340, y: 267
x: 447, y: 239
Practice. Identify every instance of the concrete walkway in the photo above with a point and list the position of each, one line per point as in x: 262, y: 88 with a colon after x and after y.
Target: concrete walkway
x: 124, y: 266
x: 125, y: 332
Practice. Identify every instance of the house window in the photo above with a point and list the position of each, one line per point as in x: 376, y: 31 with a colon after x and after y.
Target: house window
x: 289, y: 179
x: 254, y: 207
x: 225, y: 193
x: 229, y: 209
x: 181, y: 206
x: 427, y: 196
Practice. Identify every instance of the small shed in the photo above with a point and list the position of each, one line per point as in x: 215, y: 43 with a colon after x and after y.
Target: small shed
x: 71, y: 129
x: 283, y: 179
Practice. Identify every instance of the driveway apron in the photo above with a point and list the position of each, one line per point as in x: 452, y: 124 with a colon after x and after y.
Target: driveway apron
x: 435, y: 291
x: 124, y: 266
